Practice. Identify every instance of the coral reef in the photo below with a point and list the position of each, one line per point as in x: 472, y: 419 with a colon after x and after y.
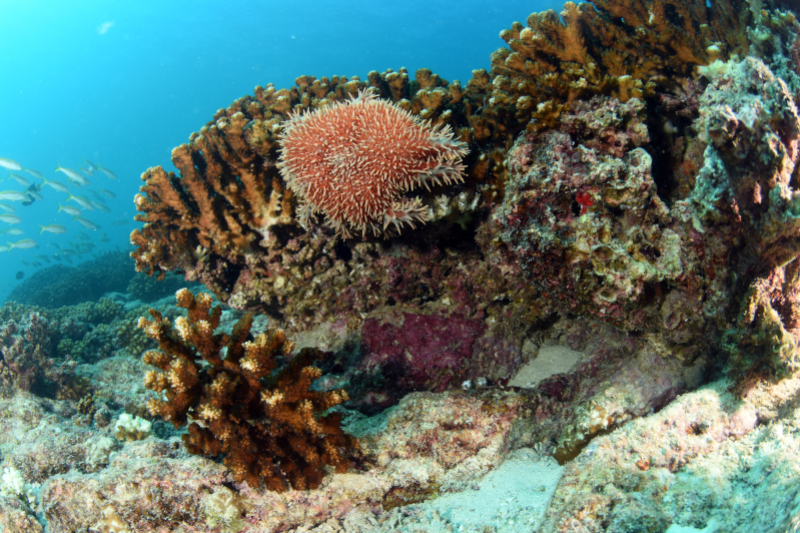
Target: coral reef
x: 629, y: 203
x: 59, y: 285
x: 268, y: 426
x: 581, y: 215
x: 42, y: 348
x: 693, y: 462
x: 230, y: 219
x: 750, y: 121
x: 430, y: 445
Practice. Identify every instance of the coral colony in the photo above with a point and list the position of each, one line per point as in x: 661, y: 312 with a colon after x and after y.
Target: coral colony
x: 618, y: 192
x: 267, y: 432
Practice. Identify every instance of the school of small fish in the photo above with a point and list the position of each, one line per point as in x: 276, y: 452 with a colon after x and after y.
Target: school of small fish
x: 73, y: 205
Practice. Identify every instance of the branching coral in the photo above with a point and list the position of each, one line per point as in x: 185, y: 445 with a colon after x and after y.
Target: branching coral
x: 621, y: 48
x: 267, y: 425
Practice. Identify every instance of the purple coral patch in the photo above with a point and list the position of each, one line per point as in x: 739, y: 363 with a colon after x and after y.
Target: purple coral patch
x: 424, y: 352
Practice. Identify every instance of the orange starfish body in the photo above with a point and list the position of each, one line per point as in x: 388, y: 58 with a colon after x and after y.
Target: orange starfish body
x: 354, y: 161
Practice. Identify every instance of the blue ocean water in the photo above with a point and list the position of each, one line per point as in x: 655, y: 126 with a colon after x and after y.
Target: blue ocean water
x: 122, y: 83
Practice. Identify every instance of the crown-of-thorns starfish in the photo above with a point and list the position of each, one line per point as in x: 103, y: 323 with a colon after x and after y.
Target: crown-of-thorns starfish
x: 353, y: 162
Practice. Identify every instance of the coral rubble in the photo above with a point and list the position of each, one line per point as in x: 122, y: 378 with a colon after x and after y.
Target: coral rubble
x: 268, y: 426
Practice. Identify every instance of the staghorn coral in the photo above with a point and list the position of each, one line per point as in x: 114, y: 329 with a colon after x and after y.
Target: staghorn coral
x: 266, y: 424
x: 374, y: 153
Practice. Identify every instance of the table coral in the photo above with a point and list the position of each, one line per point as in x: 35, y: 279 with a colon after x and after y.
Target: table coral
x: 267, y: 425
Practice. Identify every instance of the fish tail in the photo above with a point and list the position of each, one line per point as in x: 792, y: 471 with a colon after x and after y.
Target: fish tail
x: 42, y: 229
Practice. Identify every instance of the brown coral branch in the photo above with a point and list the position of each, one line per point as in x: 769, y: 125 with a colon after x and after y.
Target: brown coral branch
x: 269, y: 428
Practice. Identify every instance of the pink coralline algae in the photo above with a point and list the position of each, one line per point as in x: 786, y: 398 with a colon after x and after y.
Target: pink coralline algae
x: 420, y: 352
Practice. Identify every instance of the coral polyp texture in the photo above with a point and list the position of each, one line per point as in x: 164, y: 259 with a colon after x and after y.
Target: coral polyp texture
x: 268, y: 426
x: 353, y: 161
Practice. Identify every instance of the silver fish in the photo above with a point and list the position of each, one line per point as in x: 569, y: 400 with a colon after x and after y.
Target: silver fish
x: 19, y: 179
x: 10, y: 219
x: 10, y: 164
x: 14, y: 196
x: 107, y: 193
x: 107, y: 172
x: 12, y: 231
x: 6, y: 207
x: 53, y: 228
x: 35, y: 173
x: 24, y: 244
x: 83, y: 202
x: 92, y: 166
x: 74, y: 175
x: 86, y: 223
x: 74, y: 211
x: 57, y: 185
x: 35, y: 195
x: 101, y: 207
